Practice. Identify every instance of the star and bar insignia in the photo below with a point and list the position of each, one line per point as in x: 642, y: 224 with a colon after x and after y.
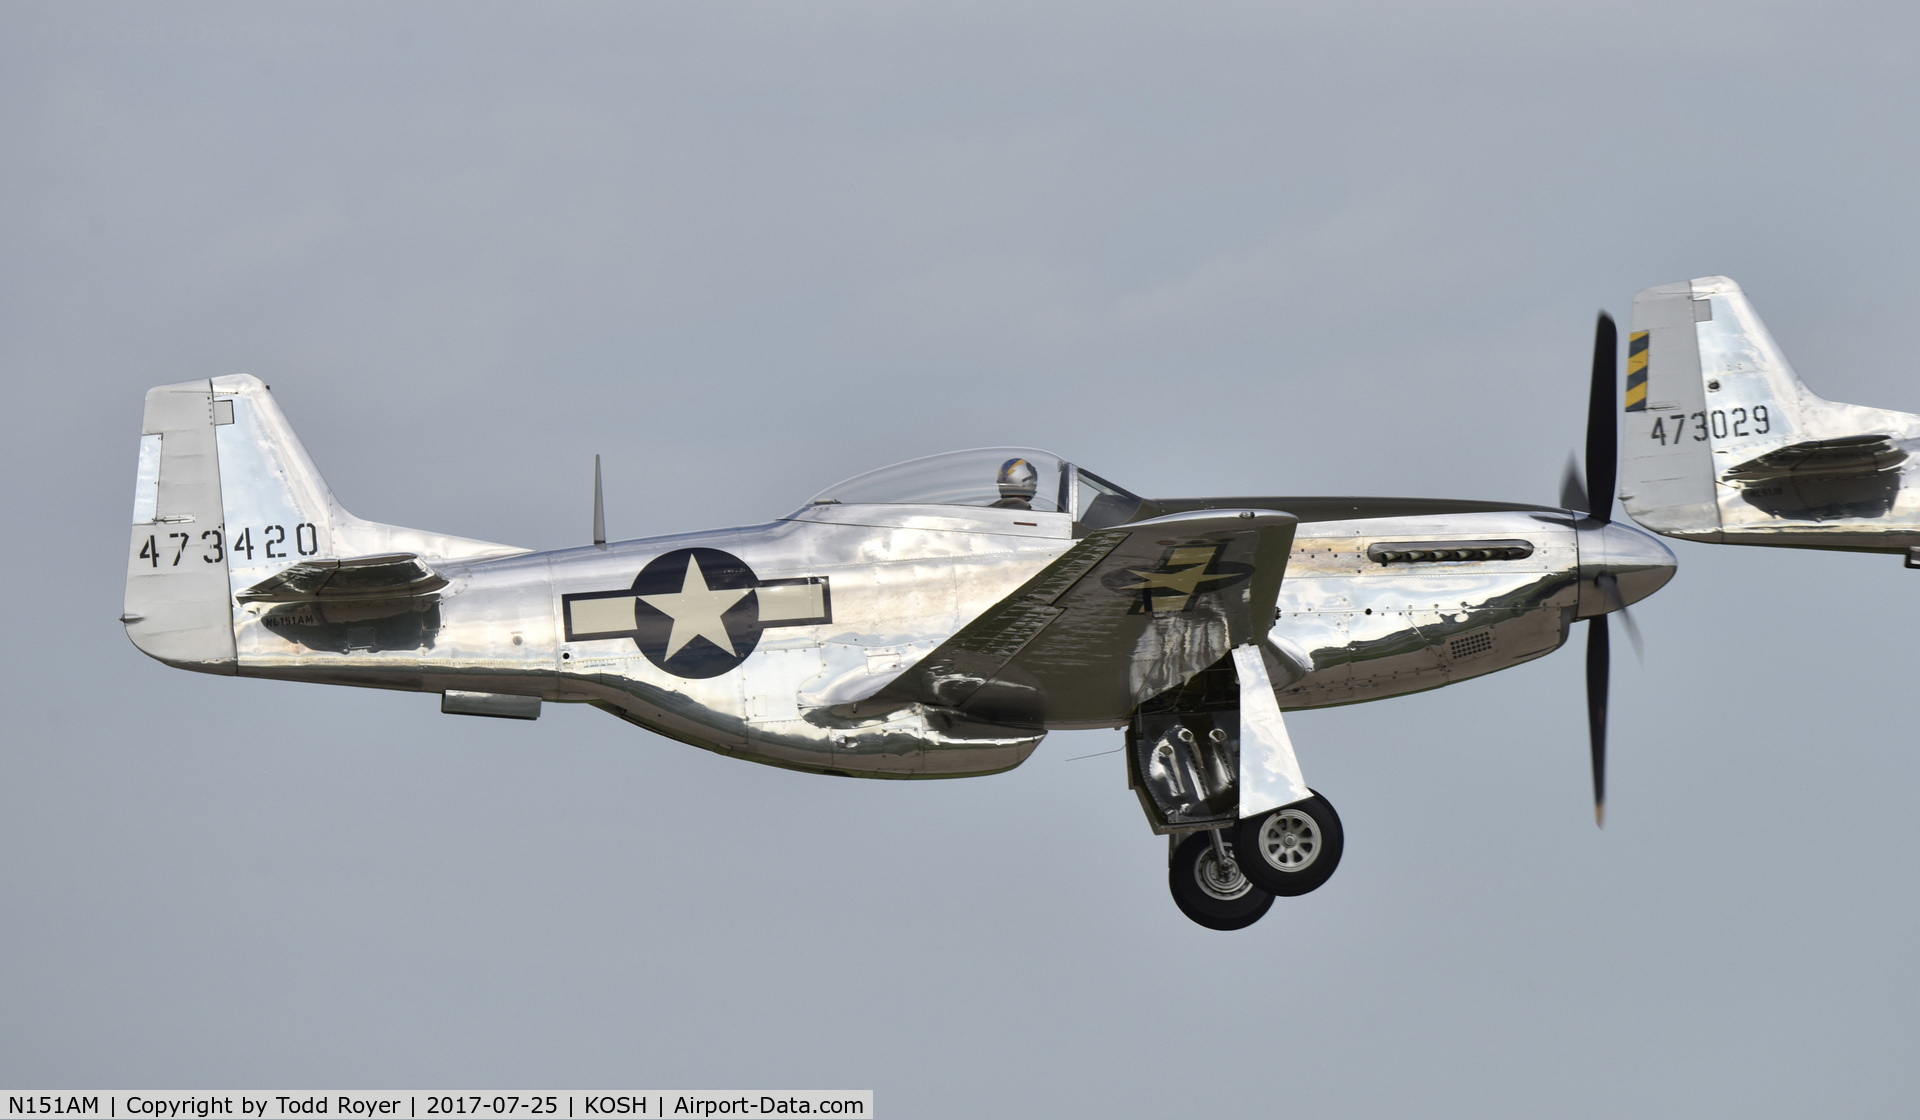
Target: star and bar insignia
x: 697, y: 612
x: 1186, y: 571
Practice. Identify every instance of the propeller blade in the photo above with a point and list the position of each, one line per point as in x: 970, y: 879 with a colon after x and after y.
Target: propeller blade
x: 1598, y: 663
x: 1633, y: 637
x: 1603, y: 435
x: 1573, y: 494
x: 1617, y: 604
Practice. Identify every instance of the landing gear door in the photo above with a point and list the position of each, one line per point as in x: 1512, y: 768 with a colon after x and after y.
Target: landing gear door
x: 1269, y: 773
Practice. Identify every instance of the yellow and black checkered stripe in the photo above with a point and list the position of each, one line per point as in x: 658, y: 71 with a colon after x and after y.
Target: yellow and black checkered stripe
x: 1637, y: 372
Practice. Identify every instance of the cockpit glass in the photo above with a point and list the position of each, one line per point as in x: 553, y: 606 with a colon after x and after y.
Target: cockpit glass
x: 1003, y: 477
x: 1102, y: 504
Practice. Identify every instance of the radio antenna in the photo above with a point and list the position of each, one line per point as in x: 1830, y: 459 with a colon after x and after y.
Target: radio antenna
x: 599, y: 509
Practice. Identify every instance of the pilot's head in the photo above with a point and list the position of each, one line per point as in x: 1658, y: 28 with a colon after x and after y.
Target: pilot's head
x: 1019, y: 481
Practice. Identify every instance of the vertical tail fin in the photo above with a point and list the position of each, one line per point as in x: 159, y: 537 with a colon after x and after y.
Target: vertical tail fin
x: 1723, y: 442
x: 178, y: 607
x: 226, y: 498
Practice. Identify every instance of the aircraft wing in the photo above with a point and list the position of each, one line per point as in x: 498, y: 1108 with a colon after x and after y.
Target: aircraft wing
x: 1123, y: 615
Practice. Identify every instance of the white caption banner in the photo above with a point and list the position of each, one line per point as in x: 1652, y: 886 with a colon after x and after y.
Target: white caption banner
x: 258, y: 1104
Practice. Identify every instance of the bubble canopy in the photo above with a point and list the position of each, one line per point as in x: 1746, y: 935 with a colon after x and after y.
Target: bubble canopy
x: 1002, y: 477
x: 960, y: 478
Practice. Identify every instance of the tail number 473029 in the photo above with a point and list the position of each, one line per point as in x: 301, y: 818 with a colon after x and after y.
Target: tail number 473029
x: 1736, y: 423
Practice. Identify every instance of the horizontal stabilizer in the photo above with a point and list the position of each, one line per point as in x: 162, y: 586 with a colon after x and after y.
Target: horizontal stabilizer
x: 1847, y: 455
x: 398, y: 575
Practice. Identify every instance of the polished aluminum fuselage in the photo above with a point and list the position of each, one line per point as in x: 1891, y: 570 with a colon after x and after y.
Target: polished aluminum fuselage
x: 903, y: 579
x: 1369, y: 631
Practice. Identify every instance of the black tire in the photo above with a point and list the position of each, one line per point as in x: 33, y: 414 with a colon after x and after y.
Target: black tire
x: 1206, y: 900
x: 1290, y: 850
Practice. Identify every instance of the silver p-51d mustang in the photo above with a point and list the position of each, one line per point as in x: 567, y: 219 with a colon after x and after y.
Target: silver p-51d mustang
x: 933, y: 619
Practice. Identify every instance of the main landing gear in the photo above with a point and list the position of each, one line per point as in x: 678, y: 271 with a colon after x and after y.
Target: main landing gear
x: 1227, y: 878
x: 1215, y: 770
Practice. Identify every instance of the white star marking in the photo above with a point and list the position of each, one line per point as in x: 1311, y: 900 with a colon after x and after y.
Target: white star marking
x: 696, y: 611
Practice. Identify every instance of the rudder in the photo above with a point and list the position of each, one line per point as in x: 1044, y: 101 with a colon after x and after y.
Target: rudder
x: 178, y: 608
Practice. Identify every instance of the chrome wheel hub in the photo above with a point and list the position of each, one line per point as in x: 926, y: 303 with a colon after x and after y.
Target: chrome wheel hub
x: 1223, y: 881
x: 1289, y: 840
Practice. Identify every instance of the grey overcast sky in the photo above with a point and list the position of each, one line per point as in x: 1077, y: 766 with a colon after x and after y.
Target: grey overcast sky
x: 743, y: 251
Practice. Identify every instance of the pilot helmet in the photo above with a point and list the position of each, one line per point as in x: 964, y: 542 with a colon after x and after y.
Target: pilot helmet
x: 1018, y: 479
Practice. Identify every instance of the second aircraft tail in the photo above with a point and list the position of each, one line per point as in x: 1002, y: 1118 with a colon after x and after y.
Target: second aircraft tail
x: 1723, y: 442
